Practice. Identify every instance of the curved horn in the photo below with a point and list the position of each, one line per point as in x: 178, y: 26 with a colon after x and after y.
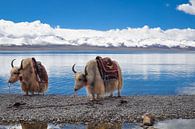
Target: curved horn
x: 12, y: 63
x: 74, y: 69
x: 21, y: 66
x: 86, y: 71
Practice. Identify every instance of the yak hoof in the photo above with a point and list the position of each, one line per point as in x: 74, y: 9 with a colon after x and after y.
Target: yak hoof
x: 111, y: 95
x: 119, y: 96
x: 92, y: 99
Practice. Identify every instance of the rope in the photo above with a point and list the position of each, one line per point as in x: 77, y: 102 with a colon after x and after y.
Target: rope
x: 9, y: 85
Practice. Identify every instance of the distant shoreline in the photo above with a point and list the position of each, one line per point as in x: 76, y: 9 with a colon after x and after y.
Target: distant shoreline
x: 87, y: 48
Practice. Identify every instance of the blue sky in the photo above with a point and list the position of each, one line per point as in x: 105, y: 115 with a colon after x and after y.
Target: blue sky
x: 99, y: 14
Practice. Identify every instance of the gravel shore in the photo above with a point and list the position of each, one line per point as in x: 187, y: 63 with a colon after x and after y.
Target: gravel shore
x: 63, y: 109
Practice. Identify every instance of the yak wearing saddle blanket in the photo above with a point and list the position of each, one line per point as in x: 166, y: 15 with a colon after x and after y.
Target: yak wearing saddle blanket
x: 40, y: 71
x: 108, y: 68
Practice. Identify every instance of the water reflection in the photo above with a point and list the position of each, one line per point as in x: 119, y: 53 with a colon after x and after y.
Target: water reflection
x: 143, y: 73
x: 167, y: 124
x: 38, y: 125
x: 176, y: 124
x: 104, y: 126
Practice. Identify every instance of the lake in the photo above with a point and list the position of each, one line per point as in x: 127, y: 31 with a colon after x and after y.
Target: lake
x: 144, y: 72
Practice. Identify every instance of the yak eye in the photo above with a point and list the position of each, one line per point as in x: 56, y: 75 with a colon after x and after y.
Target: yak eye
x: 16, y: 73
x: 80, y: 79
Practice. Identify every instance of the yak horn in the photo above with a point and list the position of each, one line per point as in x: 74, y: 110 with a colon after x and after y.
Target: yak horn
x: 21, y: 66
x: 12, y: 63
x: 74, y: 69
x: 86, y: 71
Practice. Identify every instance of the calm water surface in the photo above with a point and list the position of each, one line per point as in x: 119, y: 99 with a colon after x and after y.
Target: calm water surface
x: 144, y: 73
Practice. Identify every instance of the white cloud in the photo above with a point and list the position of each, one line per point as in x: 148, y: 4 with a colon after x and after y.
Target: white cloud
x: 188, y: 8
x: 37, y: 33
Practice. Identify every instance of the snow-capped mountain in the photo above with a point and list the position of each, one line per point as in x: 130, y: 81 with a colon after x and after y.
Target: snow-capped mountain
x: 37, y: 33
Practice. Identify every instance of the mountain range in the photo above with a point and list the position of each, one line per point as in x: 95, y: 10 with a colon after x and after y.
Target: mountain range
x: 41, y: 34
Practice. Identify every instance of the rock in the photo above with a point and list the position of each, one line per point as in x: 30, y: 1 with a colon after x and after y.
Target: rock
x: 151, y: 127
x: 17, y: 104
x: 123, y: 101
x: 147, y: 127
x: 148, y: 119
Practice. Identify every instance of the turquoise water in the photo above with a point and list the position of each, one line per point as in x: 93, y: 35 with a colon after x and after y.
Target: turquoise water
x: 144, y: 72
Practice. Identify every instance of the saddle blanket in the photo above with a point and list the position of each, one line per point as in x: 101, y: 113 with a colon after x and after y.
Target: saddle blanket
x: 40, y: 71
x: 108, y: 68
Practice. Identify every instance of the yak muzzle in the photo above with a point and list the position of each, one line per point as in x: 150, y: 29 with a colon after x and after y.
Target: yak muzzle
x: 20, y: 78
x: 9, y: 81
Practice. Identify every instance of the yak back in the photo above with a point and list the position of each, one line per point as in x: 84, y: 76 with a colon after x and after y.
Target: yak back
x: 108, y: 69
x: 40, y: 71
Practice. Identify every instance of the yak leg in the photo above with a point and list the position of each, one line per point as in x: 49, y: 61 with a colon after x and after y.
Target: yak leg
x: 111, y: 94
x: 98, y: 96
x: 119, y: 92
x: 25, y: 88
x: 26, y: 93
x: 92, y: 92
x: 92, y: 97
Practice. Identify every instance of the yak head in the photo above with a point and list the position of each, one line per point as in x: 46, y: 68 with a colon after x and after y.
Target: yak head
x: 80, y: 79
x: 15, y: 72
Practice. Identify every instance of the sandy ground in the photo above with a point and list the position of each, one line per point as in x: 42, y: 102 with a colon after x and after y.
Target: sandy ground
x: 63, y: 109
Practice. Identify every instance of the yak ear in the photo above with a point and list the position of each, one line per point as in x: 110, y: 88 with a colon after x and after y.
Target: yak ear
x: 21, y: 66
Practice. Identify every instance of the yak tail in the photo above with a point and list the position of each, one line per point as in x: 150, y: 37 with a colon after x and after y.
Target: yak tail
x: 120, y: 83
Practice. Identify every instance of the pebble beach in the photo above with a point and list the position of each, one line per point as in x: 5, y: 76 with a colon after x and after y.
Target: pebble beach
x: 68, y: 109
